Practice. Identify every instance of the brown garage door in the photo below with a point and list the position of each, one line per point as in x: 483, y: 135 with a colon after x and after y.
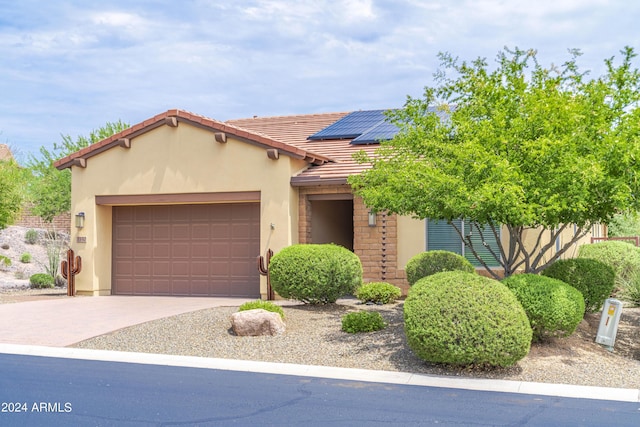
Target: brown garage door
x: 190, y: 250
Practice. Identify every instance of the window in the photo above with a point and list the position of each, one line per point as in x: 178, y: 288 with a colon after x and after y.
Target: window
x: 442, y: 236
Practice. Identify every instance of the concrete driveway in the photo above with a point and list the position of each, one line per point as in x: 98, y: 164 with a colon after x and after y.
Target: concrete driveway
x: 65, y: 321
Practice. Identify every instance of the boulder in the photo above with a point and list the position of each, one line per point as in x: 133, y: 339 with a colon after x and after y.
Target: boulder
x: 257, y: 322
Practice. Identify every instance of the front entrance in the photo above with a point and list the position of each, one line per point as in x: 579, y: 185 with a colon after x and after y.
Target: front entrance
x: 332, y: 221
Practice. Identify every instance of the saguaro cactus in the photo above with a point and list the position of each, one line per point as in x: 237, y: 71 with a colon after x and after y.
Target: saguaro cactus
x: 70, y: 267
x: 263, y: 268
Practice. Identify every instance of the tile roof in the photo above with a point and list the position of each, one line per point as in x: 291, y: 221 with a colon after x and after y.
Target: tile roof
x: 330, y: 161
x: 295, y: 130
x: 80, y: 157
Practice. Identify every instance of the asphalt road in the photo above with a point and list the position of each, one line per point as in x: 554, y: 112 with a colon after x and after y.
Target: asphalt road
x: 51, y: 391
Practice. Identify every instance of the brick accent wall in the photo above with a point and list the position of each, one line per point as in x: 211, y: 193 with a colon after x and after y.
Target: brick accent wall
x: 60, y: 222
x: 377, y: 247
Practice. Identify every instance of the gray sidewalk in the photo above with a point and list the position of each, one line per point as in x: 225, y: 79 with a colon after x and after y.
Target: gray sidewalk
x: 66, y: 321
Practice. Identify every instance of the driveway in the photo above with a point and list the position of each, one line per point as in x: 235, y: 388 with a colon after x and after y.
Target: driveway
x: 65, y: 321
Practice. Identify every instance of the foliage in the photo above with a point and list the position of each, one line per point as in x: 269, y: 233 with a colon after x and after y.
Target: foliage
x: 553, y: 307
x: 535, y: 149
x: 594, y: 279
x: 50, y: 189
x: 265, y: 305
x: 630, y: 289
x: 41, y: 280
x: 624, y: 225
x: 315, y: 274
x: 25, y: 258
x: 623, y: 257
x: 5, y: 262
x: 362, y: 321
x: 378, y: 292
x: 11, y: 192
x: 427, y: 263
x: 31, y: 236
x: 54, y: 245
x: 462, y: 318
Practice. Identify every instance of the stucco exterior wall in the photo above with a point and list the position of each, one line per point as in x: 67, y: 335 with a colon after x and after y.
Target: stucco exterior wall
x: 180, y: 160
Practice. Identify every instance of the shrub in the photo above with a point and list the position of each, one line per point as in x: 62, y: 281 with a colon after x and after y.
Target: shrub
x: 594, y: 279
x: 462, y: 318
x: 427, y: 263
x: 5, y: 262
x: 315, y: 274
x: 623, y: 257
x: 25, y: 258
x: 31, y: 236
x: 362, y: 321
x: 378, y: 292
x: 630, y: 289
x: 265, y: 305
x: 41, y: 280
x: 553, y: 307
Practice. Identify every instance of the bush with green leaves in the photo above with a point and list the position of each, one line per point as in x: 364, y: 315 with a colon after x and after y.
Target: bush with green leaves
x: 594, y: 279
x: 31, y: 236
x: 25, y: 258
x: 554, y: 308
x: 378, y: 293
x: 623, y: 257
x: 630, y: 289
x: 362, y: 321
x: 41, y: 280
x: 265, y: 305
x: 462, y: 318
x: 315, y: 273
x: 427, y: 263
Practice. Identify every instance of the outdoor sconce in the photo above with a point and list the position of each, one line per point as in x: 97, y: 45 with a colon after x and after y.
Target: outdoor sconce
x: 80, y: 220
x: 372, y: 218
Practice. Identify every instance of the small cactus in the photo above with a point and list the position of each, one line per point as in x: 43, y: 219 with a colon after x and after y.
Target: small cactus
x: 70, y: 267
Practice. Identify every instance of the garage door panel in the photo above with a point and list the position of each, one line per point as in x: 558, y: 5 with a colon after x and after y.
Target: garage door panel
x: 180, y: 232
x: 200, y: 250
x: 161, y: 231
x: 161, y: 250
x: 197, y: 250
x: 180, y: 250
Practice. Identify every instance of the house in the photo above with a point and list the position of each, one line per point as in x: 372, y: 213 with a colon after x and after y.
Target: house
x: 182, y: 204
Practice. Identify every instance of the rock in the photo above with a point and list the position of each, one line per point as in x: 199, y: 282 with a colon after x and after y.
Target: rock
x: 257, y: 322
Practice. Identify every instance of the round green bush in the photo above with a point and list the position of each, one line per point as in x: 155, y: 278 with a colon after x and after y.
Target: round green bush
x: 553, y: 307
x: 623, y: 257
x: 25, y: 258
x: 594, y: 279
x: 41, y: 280
x: 31, y: 236
x: 462, y: 318
x: 315, y: 274
x: 265, y: 305
x: 427, y: 263
x: 378, y: 292
x: 362, y: 321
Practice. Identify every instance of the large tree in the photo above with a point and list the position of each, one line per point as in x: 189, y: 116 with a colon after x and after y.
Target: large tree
x: 517, y: 147
x: 50, y: 189
x: 12, y: 180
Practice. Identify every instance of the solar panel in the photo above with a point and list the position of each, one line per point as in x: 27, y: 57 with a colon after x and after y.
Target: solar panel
x: 365, y: 127
x: 382, y: 131
x: 350, y: 126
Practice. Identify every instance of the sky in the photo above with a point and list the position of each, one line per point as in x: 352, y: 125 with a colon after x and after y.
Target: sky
x: 69, y: 66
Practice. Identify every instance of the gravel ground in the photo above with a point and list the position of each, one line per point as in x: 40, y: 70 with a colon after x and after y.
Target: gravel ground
x: 313, y: 336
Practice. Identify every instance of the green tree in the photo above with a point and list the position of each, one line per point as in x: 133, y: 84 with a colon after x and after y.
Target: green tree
x: 50, y: 189
x: 536, y: 150
x: 12, y: 181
